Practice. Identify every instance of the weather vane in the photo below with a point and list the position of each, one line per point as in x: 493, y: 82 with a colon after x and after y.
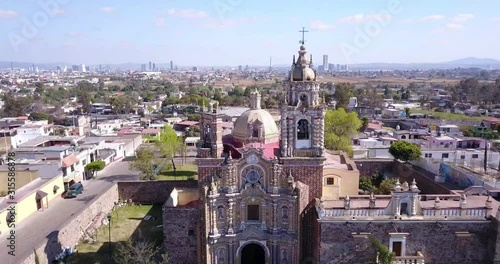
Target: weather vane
x: 303, y: 31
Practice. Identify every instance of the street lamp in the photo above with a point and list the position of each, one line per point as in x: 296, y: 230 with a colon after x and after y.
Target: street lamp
x: 109, y: 234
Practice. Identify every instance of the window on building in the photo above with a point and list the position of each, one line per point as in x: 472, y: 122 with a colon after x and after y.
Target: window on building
x: 330, y: 181
x: 303, y: 129
x: 475, y: 156
x: 428, y: 155
x: 253, y: 212
x: 403, y: 137
x: 65, y: 171
x: 397, y: 247
x: 404, y: 209
x: 445, y: 155
x: 462, y: 157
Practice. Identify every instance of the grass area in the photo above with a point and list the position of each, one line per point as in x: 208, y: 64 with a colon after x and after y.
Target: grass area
x: 126, y: 222
x: 188, y: 171
x: 448, y: 116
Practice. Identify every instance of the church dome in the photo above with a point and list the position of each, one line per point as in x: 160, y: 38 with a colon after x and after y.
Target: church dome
x: 256, y: 125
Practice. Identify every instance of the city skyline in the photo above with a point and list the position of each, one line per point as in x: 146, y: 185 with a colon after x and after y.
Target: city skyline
x: 223, y: 32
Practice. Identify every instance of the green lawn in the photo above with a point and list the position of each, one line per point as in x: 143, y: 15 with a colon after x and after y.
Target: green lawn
x: 188, y: 171
x: 448, y: 116
x: 126, y: 222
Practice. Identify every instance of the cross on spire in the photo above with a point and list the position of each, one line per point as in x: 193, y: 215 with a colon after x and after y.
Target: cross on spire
x: 303, y: 31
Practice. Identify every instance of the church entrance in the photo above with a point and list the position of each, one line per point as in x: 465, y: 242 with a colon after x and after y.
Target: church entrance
x: 253, y: 254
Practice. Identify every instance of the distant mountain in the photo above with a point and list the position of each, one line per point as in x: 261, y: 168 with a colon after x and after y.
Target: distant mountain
x: 474, y: 61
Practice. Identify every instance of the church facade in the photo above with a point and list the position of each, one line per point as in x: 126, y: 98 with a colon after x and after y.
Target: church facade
x: 255, y: 187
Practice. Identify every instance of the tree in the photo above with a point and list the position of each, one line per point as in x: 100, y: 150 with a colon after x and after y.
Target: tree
x: 168, y: 143
x: 137, y: 251
x: 15, y: 106
x: 37, y: 116
x: 95, y: 166
x: 40, y: 88
x: 365, y: 184
x: 385, y: 186
x: 343, y: 91
x: 405, y: 151
x: 145, y: 163
x: 384, y: 255
x: 407, y: 112
x: 339, y: 127
x: 84, y: 99
x: 364, y: 124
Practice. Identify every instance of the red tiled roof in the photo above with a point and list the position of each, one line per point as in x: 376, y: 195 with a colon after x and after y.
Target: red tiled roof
x: 69, y: 160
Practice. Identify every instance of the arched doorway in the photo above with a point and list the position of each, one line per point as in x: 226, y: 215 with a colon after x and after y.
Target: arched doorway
x: 253, y: 254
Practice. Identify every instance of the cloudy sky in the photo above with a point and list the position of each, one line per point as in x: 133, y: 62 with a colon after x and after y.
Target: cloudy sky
x: 234, y: 32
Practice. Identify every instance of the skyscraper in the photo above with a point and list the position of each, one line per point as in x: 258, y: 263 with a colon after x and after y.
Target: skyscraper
x: 154, y: 66
x: 325, y: 63
x: 143, y: 67
x: 171, y: 65
x: 150, y: 66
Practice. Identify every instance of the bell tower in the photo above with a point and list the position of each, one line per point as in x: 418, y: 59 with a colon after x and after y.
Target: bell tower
x: 302, y: 111
x: 210, y: 132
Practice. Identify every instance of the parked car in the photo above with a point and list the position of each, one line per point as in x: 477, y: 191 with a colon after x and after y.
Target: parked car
x: 74, y: 190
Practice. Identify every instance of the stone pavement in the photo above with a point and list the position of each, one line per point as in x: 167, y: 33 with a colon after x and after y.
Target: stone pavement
x: 33, y: 230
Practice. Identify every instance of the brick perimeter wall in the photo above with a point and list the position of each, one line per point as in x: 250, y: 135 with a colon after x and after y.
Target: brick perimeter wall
x: 368, y: 167
x: 438, y: 243
x: 71, y: 233
x: 150, y: 192
x: 424, y: 183
x: 179, y: 244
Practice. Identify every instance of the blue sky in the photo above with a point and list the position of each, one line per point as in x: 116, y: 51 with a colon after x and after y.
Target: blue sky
x: 240, y: 32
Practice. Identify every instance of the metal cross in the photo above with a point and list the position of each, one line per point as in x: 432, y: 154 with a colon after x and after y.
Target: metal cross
x: 303, y: 31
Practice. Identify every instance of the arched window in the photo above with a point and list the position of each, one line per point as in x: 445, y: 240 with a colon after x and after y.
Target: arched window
x: 304, y: 100
x: 404, y: 209
x: 284, y: 214
x: 303, y: 129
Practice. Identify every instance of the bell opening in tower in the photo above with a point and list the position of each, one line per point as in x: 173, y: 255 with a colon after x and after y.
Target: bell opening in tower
x: 303, y: 134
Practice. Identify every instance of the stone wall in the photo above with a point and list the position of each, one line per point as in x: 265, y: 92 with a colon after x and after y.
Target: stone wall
x: 437, y: 241
x: 426, y: 185
x: 150, y: 192
x: 369, y: 167
x: 180, y: 227
x: 71, y: 233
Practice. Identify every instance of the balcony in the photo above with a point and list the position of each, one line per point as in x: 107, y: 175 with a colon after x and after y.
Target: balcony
x: 418, y: 259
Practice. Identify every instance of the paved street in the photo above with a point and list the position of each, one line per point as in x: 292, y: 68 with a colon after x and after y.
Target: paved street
x: 33, y: 230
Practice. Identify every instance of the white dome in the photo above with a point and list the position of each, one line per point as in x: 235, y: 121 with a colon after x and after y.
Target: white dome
x: 256, y: 125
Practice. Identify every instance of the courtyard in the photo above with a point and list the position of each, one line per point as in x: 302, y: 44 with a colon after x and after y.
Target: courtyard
x: 126, y: 222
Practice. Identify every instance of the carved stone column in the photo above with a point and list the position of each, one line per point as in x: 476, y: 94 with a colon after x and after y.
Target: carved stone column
x: 230, y: 229
x: 230, y: 252
x: 275, y: 216
x: 242, y: 215
x: 291, y: 216
x: 397, y: 206
x: 213, y: 217
x: 284, y: 138
x: 291, y: 130
x: 263, y: 222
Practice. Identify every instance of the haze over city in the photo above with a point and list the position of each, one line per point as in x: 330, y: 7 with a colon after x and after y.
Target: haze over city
x: 223, y: 32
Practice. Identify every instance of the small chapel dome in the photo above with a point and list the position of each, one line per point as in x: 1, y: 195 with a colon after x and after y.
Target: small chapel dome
x: 255, y: 124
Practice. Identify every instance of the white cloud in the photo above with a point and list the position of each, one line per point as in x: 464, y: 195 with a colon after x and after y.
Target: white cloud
x: 74, y: 34
x: 432, y: 18
x: 107, y: 9
x: 230, y: 22
x: 8, y: 14
x: 362, y: 18
x: 320, y: 25
x: 462, y: 18
x: 160, y: 22
x: 187, y: 13
x: 58, y: 12
x: 495, y: 19
x: 454, y: 26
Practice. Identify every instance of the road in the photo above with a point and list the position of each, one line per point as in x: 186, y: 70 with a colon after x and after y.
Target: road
x: 31, y: 232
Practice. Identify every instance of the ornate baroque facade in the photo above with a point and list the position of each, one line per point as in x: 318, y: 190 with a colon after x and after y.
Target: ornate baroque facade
x: 254, y: 188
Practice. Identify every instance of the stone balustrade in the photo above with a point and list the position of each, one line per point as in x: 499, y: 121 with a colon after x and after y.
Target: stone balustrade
x: 418, y: 259
x: 354, y: 212
x: 470, y: 212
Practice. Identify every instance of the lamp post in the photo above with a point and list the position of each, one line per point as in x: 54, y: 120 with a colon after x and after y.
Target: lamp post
x: 109, y: 234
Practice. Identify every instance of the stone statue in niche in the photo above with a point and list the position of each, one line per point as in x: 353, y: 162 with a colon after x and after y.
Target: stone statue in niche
x: 213, y: 185
x: 284, y: 257
x: 220, y: 213
x: 220, y: 256
x: 284, y: 214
